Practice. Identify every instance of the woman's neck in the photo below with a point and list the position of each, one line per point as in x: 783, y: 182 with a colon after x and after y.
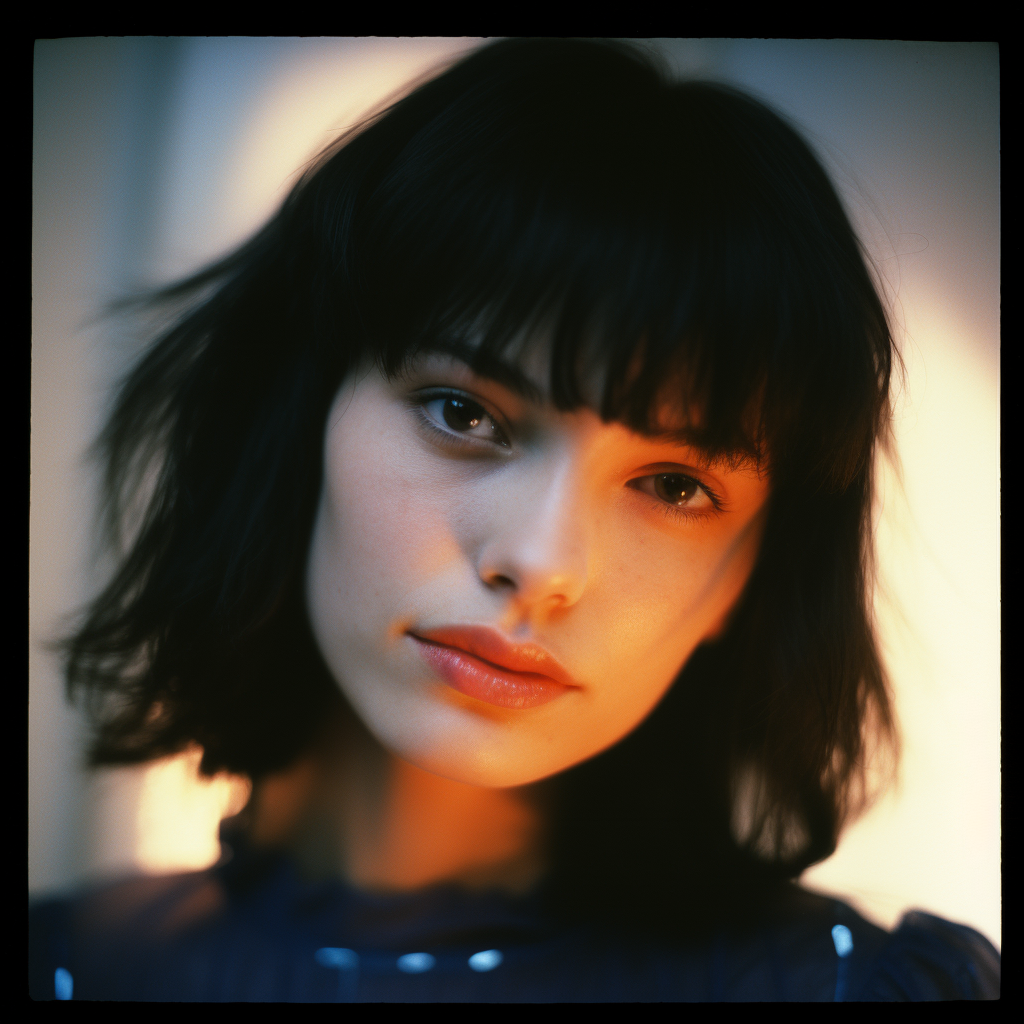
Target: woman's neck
x: 353, y: 810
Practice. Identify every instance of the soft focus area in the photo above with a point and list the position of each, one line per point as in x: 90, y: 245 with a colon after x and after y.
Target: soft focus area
x: 152, y: 156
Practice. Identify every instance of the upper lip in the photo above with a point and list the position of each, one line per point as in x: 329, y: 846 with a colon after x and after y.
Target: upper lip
x: 492, y: 646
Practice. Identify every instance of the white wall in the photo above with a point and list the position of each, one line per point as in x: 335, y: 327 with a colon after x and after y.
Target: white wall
x: 153, y: 155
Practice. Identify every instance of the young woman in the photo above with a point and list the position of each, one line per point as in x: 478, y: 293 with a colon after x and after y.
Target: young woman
x: 503, y: 511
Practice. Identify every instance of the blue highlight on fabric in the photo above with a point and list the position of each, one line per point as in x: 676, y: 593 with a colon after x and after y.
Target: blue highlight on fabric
x: 336, y: 956
x: 346, y: 962
x: 843, y: 940
x: 410, y: 963
x: 415, y: 963
x: 63, y: 984
x: 486, y: 960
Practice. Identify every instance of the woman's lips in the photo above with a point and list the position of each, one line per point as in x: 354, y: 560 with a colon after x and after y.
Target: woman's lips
x: 481, y: 663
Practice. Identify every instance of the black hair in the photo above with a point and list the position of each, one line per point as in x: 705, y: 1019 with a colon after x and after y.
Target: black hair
x: 678, y: 237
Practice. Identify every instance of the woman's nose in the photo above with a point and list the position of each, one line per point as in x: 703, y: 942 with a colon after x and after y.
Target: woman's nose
x: 537, y: 542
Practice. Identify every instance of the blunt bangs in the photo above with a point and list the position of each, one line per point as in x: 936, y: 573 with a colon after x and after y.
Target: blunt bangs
x: 677, y: 246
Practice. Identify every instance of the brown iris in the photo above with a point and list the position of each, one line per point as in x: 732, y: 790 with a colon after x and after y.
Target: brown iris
x: 462, y: 415
x: 675, y: 488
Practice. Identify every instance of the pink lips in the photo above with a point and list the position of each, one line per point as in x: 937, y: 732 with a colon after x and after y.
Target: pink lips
x: 481, y: 663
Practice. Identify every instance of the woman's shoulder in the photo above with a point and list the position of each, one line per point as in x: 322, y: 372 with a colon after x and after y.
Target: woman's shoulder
x: 258, y: 933
x: 96, y: 934
x: 820, y: 948
x: 929, y: 958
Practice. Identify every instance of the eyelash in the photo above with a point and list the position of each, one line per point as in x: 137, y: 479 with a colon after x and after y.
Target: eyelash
x: 457, y: 442
x: 448, y: 438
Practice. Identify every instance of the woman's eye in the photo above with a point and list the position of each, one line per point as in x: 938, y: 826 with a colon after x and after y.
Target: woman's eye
x: 461, y: 415
x: 678, y: 490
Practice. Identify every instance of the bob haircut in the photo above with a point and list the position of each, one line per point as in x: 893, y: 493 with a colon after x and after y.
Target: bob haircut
x: 679, y: 243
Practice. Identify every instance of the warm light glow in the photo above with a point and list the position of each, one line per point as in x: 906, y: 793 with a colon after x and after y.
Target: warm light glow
x: 938, y: 614
x: 179, y: 813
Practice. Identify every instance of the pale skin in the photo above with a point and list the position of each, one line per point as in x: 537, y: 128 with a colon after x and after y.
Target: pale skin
x: 450, y: 499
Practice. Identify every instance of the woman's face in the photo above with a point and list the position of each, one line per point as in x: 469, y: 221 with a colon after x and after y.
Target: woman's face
x: 503, y: 590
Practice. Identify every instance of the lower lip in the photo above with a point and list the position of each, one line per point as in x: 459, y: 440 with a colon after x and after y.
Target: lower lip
x: 494, y: 685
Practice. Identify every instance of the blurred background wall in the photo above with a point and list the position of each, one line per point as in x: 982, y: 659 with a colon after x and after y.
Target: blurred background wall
x: 154, y: 155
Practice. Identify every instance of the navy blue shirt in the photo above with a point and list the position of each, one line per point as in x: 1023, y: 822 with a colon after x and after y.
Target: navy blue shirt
x: 253, y: 930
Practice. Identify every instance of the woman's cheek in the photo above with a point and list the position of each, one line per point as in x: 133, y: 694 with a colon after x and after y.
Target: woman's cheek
x: 663, y: 596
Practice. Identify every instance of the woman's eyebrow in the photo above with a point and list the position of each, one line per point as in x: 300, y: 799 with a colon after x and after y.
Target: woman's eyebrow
x: 486, y: 364
x: 741, y: 457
